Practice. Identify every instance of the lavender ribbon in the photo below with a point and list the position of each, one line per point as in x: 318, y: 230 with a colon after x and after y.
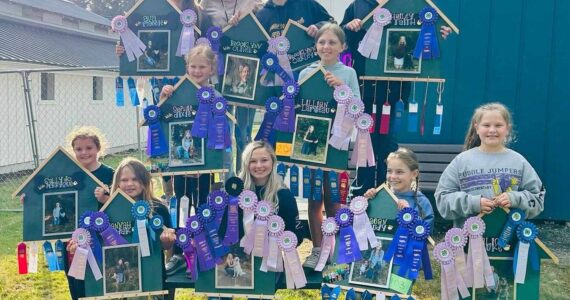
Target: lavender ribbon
x: 248, y: 202
x: 77, y: 269
x: 188, y: 19
x: 451, y: 280
x: 272, y: 108
x: 363, y: 153
x: 361, y: 224
x: 370, y: 44
x: 348, y: 250
x: 294, y: 274
x: 329, y: 229
x: 272, y: 259
x: 204, y: 114
x: 85, y: 222
x: 285, y: 121
x: 219, y: 131
x: 134, y: 47
x: 427, y: 46
x: 263, y: 211
x: 479, y: 271
x: 457, y: 239
x: 100, y: 222
x: 343, y: 123
x: 205, y: 259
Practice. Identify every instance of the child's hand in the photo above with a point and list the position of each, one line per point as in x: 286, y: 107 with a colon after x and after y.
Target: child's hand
x: 234, y: 20
x: 487, y: 205
x: 167, y: 238
x: 166, y: 92
x: 312, y: 30
x: 22, y: 197
x: 119, y: 49
x: 71, y: 247
x: 332, y: 80
x: 102, y: 194
x: 503, y: 200
x: 445, y: 31
x: 402, y: 204
x: 370, y: 193
x: 354, y: 25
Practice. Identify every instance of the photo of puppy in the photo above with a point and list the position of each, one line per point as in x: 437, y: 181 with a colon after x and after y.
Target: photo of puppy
x: 237, y: 268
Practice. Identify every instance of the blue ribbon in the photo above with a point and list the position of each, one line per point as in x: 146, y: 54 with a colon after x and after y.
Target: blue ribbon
x: 527, y: 233
x: 270, y: 62
x: 156, y: 224
x: 207, y: 216
x: 281, y: 170
x: 348, y: 250
x: 333, y: 179
x: 306, y: 182
x: 365, y: 295
x: 318, y: 193
x: 214, y: 35
x: 350, y: 295
x: 515, y: 218
x: 119, y: 93
x: 218, y: 129
x: 204, y: 114
x: 158, y: 142
x: 416, y: 252
x: 294, y: 180
x: 133, y: 92
x: 405, y: 218
x: 413, y: 117
x: 50, y: 257
x: 272, y: 108
x: 155, y: 90
x: 60, y: 254
x: 427, y: 46
x: 232, y: 228
x: 399, y: 112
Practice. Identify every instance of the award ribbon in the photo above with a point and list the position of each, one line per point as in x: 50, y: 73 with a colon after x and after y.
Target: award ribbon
x: 247, y: 201
x: 363, y: 153
x: 60, y: 254
x: 515, y: 218
x: 343, y: 186
x: 272, y: 259
x: 205, y: 259
x: 140, y: 212
x: 406, y: 217
x: 134, y: 47
x: 451, y: 280
x: 207, y: 216
x: 158, y: 143
x: 294, y: 171
x: 184, y: 241
x: 399, y: 112
x: 417, y: 254
x: 155, y: 89
x: 272, y: 108
x: 85, y: 222
x: 479, y: 273
x: 234, y: 187
x: 294, y: 274
x: 100, y: 223
x: 333, y: 180
x: 214, y: 36
x: 281, y: 170
x: 83, y: 255
x: 438, y: 112
x: 218, y: 129
x: 172, y: 208
x: 285, y: 121
x: 348, y: 250
x: 22, y: 259
x: 33, y: 258
x: 385, y: 117
x: 204, y: 114
x: 306, y: 183
x: 413, y: 112
x: 318, y: 188
x: 526, y: 249
x: 343, y: 122
x: 276, y: 60
x: 370, y: 44
x: 456, y: 238
x: 427, y: 46
x: 329, y: 229
x: 119, y: 92
x: 133, y: 92
x: 263, y: 211
x: 186, y: 42
x: 184, y: 211
x: 361, y: 224
x: 218, y: 201
x: 50, y: 256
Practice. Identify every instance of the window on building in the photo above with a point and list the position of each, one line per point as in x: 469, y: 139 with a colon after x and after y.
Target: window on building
x: 47, y: 86
x: 97, y: 88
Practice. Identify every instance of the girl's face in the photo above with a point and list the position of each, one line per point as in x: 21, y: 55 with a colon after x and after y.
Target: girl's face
x: 260, y: 166
x: 200, y: 69
x: 399, y: 175
x: 86, y: 152
x: 492, y: 129
x: 187, y: 133
x: 329, y: 47
x: 402, y: 40
x: 130, y: 184
x: 311, y: 128
x: 244, y: 74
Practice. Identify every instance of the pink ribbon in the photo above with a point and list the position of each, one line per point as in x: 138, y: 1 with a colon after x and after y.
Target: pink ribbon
x: 295, y: 276
x: 247, y: 202
x: 478, y: 273
x: 370, y: 44
x: 186, y: 42
x: 272, y: 259
x: 83, y: 255
x: 363, y: 153
x: 451, y: 280
x: 329, y: 229
x: 263, y: 211
x: 361, y: 224
x: 343, y: 124
x: 134, y: 47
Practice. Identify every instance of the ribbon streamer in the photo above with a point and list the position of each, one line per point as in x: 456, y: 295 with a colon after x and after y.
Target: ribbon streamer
x: 526, y: 249
x: 363, y: 153
x: 50, y: 256
x: 306, y: 183
x: 451, y: 280
x: 348, y: 250
x: 272, y: 108
x: 406, y: 218
x: 417, y: 255
x: 133, y: 92
x: 295, y: 276
x: 158, y: 143
x: 218, y: 201
x: 370, y: 44
x: 205, y: 259
x: 427, y: 46
x: 272, y: 259
x: 33, y: 258
x: 329, y: 229
x: 456, y: 238
x: 22, y: 259
x: 276, y: 60
x: 140, y: 212
x: 343, y: 124
x: 185, y: 243
x: 515, y: 218
x: 186, y: 42
x: 318, y: 187
x: 207, y: 217
x: 83, y: 255
x: 119, y: 92
x: 333, y: 180
x: 85, y: 222
x: 361, y: 224
x: 263, y: 211
x: 60, y: 254
x: 343, y: 186
x: 285, y: 121
x: 218, y: 129
x: 100, y: 223
x: 294, y: 171
x: 204, y: 114
x: 134, y: 47
x: 479, y: 273
x: 247, y: 201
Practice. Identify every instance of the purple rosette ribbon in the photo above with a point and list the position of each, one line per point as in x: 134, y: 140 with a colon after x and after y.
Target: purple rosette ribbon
x: 85, y: 222
x: 83, y: 256
x: 479, y: 273
x: 272, y: 259
x: 205, y: 258
x: 363, y: 153
x: 361, y: 224
x: 207, y: 217
x: 134, y: 47
x: 188, y: 19
x: 205, y: 96
x: 348, y: 250
x: 515, y: 218
x: 219, y: 130
x: 417, y: 254
x: 100, y: 223
x: 343, y: 123
x: 272, y: 108
x: 294, y: 274
x: 370, y: 44
x: 457, y: 239
x: 140, y: 212
x: 263, y: 210
x: 158, y: 144
x: 185, y: 242
x: 218, y: 201
x: 451, y: 280
x: 214, y: 35
x: 406, y: 217
x: 329, y: 229
x: 234, y: 187
x: 427, y: 46
x: 285, y: 121
x: 247, y: 201
x: 525, y: 250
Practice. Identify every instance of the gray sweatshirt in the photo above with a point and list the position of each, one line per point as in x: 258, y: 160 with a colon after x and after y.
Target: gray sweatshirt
x: 474, y: 174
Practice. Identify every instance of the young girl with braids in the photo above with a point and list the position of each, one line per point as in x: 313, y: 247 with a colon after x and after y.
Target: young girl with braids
x: 402, y: 177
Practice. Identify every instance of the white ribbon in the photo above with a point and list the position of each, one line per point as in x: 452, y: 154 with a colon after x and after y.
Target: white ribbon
x: 370, y: 44
x: 184, y: 210
x: 33, y: 258
x: 143, y: 238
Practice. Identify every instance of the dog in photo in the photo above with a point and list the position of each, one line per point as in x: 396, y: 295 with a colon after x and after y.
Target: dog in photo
x: 237, y: 268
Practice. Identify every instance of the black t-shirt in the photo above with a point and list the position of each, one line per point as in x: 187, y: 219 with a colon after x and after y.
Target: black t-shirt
x: 105, y: 174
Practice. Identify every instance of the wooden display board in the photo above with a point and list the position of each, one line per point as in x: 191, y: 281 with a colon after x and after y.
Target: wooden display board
x: 303, y: 51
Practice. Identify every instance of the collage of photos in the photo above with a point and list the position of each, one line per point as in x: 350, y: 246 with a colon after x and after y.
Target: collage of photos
x: 372, y: 270
x: 310, y: 142
x: 236, y: 271
x: 121, y: 269
x: 504, y: 288
x: 240, y: 77
x: 59, y: 213
x: 185, y: 150
x: 156, y: 57
x: 399, y: 51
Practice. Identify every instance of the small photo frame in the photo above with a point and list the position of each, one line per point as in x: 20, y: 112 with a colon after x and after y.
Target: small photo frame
x: 185, y: 150
x: 156, y: 57
x: 503, y: 276
x: 333, y: 273
x: 240, y: 76
x: 121, y: 269
x: 400, y: 44
x: 310, y: 142
x: 59, y: 213
x: 236, y: 271
x: 372, y: 270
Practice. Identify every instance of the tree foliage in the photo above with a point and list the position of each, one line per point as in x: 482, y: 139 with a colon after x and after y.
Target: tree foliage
x: 106, y: 8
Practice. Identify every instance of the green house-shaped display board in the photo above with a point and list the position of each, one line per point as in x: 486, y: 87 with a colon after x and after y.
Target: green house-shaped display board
x: 315, y: 107
x: 186, y: 155
x: 56, y: 194
x: 158, y: 26
x: 395, y: 57
x: 243, y: 45
x: 303, y: 50
x: 144, y: 273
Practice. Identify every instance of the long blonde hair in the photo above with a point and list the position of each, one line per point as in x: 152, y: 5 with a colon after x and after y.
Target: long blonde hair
x: 472, y: 139
x: 142, y: 175
x: 274, y: 183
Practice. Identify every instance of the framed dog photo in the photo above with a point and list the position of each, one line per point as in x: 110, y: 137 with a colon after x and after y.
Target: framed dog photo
x: 503, y: 276
x: 310, y: 141
x: 399, y: 51
x: 240, y: 76
x: 59, y: 213
x: 236, y: 272
x: 372, y: 270
x: 121, y: 269
x: 185, y: 150
x: 156, y: 56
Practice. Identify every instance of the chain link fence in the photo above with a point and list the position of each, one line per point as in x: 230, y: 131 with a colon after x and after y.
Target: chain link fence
x: 40, y: 107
